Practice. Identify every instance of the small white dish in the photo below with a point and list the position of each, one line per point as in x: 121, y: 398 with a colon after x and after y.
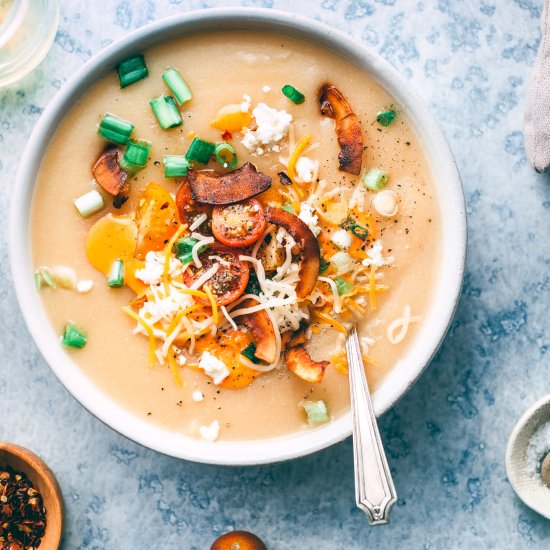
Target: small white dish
x: 445, y: 293
x: 528, y: 487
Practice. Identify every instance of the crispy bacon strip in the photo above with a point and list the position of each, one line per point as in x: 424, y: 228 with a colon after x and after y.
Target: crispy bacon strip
x: 210, y: 187
x: 348, y: 128
x: 110, y: 176
x: 306, y: 241
x: 262, y: 331
x: 303, y: 366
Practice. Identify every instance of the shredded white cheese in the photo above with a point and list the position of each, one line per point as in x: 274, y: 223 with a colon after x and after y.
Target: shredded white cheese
x: 375, y: 257
x: 198, y: 222
x: 201, y: 241
x: 308, y: 216
x: 152, y: 272
x: 397, y: 330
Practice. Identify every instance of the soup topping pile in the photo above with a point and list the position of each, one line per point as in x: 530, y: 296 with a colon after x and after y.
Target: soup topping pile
x: 234, y: 269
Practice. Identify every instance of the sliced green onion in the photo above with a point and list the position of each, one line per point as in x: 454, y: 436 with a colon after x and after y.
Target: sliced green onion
x: 115, y: 129
x: 43, y: 276
x: 166, y: 111
x: 375, y: 179
x: 249, y: 352
x: 184, y: 249
x: 135, y: 156
x: 175, y: 166
x: 64, y: 276
x: 116, y: 274
x: 177, y: 85
x: 316, y: 411
x: 385, y: 118
x: 343, y: 262
x: 73, y: 337
x: 200, y: 151
x: 131, y: 70
x: 288, y: 207
x: 89, y: 204
x: 253, y: 286
x: 293, y: 94
x: 343, y: 286
x: 323, y: 266
x: 225, y: 154
x: 359, y: 231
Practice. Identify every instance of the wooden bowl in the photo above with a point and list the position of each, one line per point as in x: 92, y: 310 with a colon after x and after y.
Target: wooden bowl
x: 23, y: 460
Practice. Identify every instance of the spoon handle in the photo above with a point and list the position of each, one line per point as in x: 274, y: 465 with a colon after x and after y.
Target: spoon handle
x: 374, y: 490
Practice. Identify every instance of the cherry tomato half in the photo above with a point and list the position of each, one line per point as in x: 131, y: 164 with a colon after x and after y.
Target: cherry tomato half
x: 238, y: 540
x: 189, y: 210
x: 229, y: 282
x: 156, y: 219
x: 238, y: 225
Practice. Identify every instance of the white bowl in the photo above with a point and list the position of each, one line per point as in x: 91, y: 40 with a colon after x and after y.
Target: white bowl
x: 527, y: 486
x: 445, y: 294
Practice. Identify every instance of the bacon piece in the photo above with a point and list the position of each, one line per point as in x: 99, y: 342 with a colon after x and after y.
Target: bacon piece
x: 110, y: 176
x: 303, y: 366
x: 307, y: 243
x: 211, y: 187
x: 262, y: 331
x: 348, y: 128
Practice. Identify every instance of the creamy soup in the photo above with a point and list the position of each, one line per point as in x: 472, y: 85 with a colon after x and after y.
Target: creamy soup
x: 387, y: 291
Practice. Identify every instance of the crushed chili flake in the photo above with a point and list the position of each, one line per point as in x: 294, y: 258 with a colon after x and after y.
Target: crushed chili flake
x: 22, y: 512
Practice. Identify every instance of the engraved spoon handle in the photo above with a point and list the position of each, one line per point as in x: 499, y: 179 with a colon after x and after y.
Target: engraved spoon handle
x: 374, y: 489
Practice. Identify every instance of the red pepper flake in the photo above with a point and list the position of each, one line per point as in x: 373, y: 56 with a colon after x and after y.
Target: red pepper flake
x: 22, y: 512
x: 226, y: 136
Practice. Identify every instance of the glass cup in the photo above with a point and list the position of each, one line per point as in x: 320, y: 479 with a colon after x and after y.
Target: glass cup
x: 27, y: 30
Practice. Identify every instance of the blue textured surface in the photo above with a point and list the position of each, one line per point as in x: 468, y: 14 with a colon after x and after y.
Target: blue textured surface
x: 446, y: 439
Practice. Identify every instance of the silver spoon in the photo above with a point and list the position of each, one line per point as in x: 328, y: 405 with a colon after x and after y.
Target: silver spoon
x: 374, y: 490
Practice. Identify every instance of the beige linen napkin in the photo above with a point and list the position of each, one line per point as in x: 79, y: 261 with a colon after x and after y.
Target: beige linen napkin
x: 537, y: 112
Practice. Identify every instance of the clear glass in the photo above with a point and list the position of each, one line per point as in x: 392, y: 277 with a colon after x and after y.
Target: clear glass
x: 27, y: 30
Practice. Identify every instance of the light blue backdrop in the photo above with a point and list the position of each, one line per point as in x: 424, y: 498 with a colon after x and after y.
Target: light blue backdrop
x: 470, y: 61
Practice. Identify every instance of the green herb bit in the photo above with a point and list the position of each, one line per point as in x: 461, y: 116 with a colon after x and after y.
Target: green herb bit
x: 317, y: 412
x: 175, y: 166
x: 385, y: 118
x: 89, y: 203
x: 249, y: 353
x: 73, y: 337
x: 116, y: 274
x: 375, y: 179
x: 359, y: 231
x: 343, y: 286
x: 348, y: 223
x: 131, y: 70
x: 166, y: 111
x: 47, y: 277
x: 288, y: 207
x: 293, y: 94
x: 226, y: 155
x: 323, y: 266
x: 253, y: 286
x: 177, y: 85
x: 184, y: 249
x: 115, y: 129
x: 200, y: 151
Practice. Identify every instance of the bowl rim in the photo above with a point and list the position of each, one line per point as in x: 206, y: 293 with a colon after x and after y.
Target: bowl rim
x: 440, y: 160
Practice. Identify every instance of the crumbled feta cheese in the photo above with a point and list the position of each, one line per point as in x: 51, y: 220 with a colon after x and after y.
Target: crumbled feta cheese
x: 342, y: 239
x: 213, y: 367
x: 306, y: 169
x: 198, y: 396
x: 182, y: 359
x: 276, y: 149
x: 266, y: 89
x: 245, y: 105
x: 84, y: 286
x: 375, y: 257
x: 308, y: 216
x: 272, y: 127
x: 152, y: 273
x: 385, y: 203
x: 210, y: 433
